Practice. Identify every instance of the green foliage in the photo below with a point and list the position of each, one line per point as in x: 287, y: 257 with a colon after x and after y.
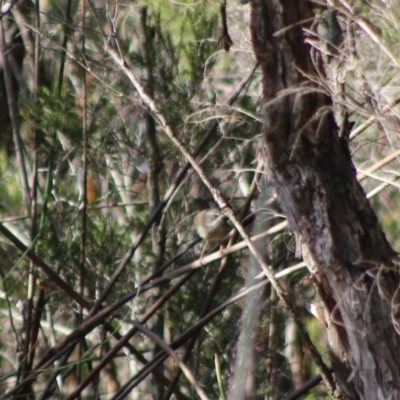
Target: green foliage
x: 54, y: 111
x: 9, y: 186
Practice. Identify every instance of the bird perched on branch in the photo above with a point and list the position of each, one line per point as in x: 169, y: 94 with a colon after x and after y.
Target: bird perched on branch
x: 210, y: 223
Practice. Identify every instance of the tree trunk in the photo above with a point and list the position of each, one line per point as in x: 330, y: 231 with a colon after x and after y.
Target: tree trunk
x: 338, y: 232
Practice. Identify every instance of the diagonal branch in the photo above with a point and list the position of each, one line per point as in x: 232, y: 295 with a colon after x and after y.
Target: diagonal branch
x: 171, y: 353
x: 227, y: 210
x: 44, y: 267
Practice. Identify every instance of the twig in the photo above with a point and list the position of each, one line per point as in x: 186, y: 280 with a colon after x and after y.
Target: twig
x: 221, y: 388
x: 44, y: 267
x: 180, y: 340
x: 110, y: 354
x: 314, y: 381
x: 172, y: 354
x: 378, y: 165
x: 355, y: 132
x: 373, y: 34
x: 224, y: 40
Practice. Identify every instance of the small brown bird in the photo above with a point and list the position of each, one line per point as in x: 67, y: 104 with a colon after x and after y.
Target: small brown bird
x: 210, y: 223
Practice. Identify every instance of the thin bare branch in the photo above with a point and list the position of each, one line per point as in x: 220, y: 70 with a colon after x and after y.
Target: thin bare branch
x: 227, y: 210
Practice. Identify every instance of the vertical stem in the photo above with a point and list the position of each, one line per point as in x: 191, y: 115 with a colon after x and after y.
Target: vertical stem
x: 272, y: 347
x: 67, y: 28
x: 84, y: 197
x: 85, y: 159
x: 30, y: 353
x: 12, y: 109
x: 153, y: 185
x: 30, y: 333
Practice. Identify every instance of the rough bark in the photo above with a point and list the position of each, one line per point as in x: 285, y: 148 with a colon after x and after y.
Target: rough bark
x: 336, y: 228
